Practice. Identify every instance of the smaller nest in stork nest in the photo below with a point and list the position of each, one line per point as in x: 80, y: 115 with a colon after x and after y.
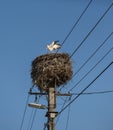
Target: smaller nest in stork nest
x: 51, y: 69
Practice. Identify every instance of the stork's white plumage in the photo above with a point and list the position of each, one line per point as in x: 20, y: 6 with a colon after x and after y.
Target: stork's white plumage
x: 53, y: 46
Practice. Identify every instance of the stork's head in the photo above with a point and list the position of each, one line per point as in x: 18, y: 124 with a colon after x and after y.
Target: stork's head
x: 56, y: 41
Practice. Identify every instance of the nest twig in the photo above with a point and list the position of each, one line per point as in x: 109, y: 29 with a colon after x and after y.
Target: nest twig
x: 51, y: 69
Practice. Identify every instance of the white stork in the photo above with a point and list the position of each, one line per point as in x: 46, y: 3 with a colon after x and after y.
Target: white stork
x: 53, y: 46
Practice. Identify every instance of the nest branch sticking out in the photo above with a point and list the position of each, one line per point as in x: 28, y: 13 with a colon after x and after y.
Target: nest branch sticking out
x: 51, y: 69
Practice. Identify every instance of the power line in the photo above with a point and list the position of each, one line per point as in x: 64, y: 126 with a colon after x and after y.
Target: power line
x: 34, y: 114
x: 91, y: 30
x: 88, y: 93
x: 86, y: 87
x: 68, y: 116
x: 24, y: 112
x: 91, y: 93
x: 61, y: 108
x: 77, y: 22
x: 88, y: 36
x: 91, y: 69
x: 93, y: 53
x: 29, y: 123
x: 91, y: 56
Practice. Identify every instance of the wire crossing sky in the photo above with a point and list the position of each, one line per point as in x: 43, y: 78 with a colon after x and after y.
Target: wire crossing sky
x: 86, y: 87
x: 75, y: 24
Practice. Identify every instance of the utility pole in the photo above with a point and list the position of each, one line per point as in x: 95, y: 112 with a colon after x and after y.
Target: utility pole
x: 51, y: 114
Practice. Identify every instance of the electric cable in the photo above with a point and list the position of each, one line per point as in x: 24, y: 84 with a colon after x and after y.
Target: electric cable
x: 30, y: 118
x: 92, y: 69
x: 101, y: 45
x: 93, y: 53
x: 68, y: 116
x: 75, y: 24
x: 86, y: 87
x: 45, y: 125
x: 91, y: 30
x: 29, y: 123
x: 34, y: 114
x: 25, y: 110
x: 90, y: 93
x: 61, y: 108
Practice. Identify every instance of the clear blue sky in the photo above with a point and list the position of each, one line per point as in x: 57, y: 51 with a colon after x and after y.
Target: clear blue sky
x: 26, y: 26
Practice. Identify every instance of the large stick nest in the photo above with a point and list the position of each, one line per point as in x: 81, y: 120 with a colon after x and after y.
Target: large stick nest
x: 51, y: 69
